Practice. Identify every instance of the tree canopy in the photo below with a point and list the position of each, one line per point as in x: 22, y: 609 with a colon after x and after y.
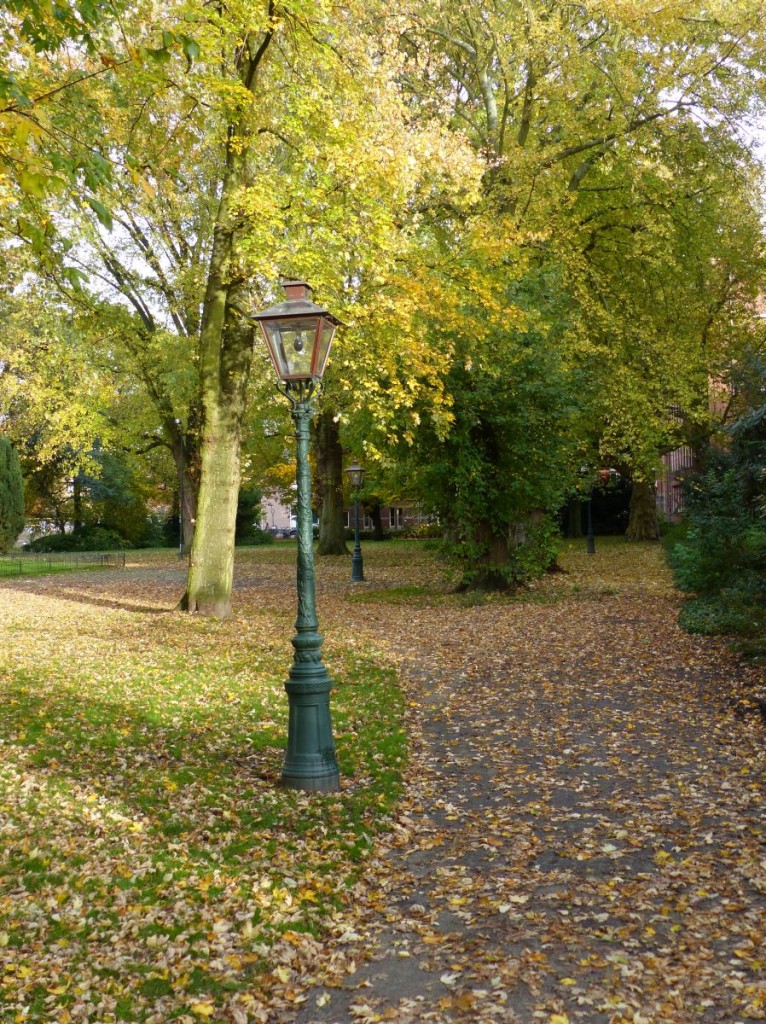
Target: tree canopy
x: 535, y: 220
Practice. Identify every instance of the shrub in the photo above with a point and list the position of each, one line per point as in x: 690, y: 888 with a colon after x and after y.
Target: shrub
x: 249, y: 514
x: 422, y: 531
x: 89, y: 538
x: 720, y: 555
x: 256, y: 537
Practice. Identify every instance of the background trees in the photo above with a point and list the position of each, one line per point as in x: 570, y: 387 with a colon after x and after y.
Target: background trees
x: 534, y: 219
x: 611, y: 161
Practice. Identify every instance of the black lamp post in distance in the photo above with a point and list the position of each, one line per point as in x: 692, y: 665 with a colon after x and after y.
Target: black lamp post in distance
x: 356, y: 478
x: 590, y: 538
x: 298, y: 335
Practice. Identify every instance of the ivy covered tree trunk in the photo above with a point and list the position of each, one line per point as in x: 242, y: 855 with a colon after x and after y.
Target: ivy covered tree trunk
x: 485, y: 572
x: 329, y: 468
x: 642, y: 524
x: 77, y: 513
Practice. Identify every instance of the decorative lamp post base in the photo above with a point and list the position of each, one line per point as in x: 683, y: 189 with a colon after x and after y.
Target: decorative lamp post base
x: 310, y: 762
x: 357, y: 568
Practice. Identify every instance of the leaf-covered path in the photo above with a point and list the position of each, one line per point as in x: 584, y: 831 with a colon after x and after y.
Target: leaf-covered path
x: 583, y: 839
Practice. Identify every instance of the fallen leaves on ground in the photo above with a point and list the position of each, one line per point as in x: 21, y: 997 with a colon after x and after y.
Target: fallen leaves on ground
x: 580, y: 838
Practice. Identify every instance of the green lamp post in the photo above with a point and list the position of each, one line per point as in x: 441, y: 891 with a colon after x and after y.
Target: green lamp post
x: 298, y: 335
x: 356, y: 479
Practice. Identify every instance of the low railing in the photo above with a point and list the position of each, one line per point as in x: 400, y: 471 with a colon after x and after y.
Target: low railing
x: 32, y: 563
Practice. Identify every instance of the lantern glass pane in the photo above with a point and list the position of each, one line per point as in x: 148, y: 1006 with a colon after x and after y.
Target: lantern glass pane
x: 326, y: 332
x: 292, y: 345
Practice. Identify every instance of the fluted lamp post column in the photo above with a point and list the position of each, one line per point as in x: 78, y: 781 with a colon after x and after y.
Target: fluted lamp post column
x: 356, y: 478
x: 298, y: 335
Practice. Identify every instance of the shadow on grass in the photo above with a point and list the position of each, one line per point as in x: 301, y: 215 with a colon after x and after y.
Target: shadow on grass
x: 177, y: 773
x: 205, y: 773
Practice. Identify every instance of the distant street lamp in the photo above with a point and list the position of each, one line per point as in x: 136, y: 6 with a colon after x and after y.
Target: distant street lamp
x: 298, y: 335
x: 590, y: 539
x: 356, y: 477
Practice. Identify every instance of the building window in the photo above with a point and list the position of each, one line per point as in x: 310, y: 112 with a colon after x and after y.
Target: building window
x: 395, y: 518
x: 678, y: 499
x: 349, y: 524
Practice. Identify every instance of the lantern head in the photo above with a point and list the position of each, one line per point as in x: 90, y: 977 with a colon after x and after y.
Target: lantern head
x: 355, y: 475
x: 298, y: 334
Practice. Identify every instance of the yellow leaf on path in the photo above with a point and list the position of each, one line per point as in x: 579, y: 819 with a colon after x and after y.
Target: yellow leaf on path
x: 558, y: 1018
x: 203, y: 1009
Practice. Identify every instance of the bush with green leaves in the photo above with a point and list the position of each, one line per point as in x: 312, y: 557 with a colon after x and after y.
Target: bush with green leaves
x: 421, y: 531
x: 88, y: 538
x: 11, y: 495
x: 720, y: 558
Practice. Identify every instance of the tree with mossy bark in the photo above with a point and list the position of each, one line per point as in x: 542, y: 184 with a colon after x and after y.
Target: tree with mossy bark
x: 329, y: 492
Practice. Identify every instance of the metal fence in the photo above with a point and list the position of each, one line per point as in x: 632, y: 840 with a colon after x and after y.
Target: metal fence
x: 32, y: 563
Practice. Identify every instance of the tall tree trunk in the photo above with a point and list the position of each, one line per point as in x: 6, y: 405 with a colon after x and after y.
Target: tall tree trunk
x: 374, y: 508
x: 225, y: 365
x: 225, y: 356
x: 226, y: 349
x: 329, y: 465
x: 187, y: 468
x: 642, y: 524
x: 188, y: 510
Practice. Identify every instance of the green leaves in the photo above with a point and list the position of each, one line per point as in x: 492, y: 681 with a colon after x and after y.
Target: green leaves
x: 75, y: 277
x: 33, y: 183
x: 170, y: 41
x: 100, y: 211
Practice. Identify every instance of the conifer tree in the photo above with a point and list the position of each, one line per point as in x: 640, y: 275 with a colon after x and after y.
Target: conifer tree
x: 11, y: 495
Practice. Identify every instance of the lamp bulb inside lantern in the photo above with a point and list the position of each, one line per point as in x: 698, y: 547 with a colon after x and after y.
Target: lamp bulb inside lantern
x: 298, y: 343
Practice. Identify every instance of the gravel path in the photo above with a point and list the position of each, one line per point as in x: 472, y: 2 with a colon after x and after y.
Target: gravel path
x: 583, y: 838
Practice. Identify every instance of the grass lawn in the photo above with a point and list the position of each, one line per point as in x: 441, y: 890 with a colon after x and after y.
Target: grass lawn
x: 31, y: 567
x: 150, y: 867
